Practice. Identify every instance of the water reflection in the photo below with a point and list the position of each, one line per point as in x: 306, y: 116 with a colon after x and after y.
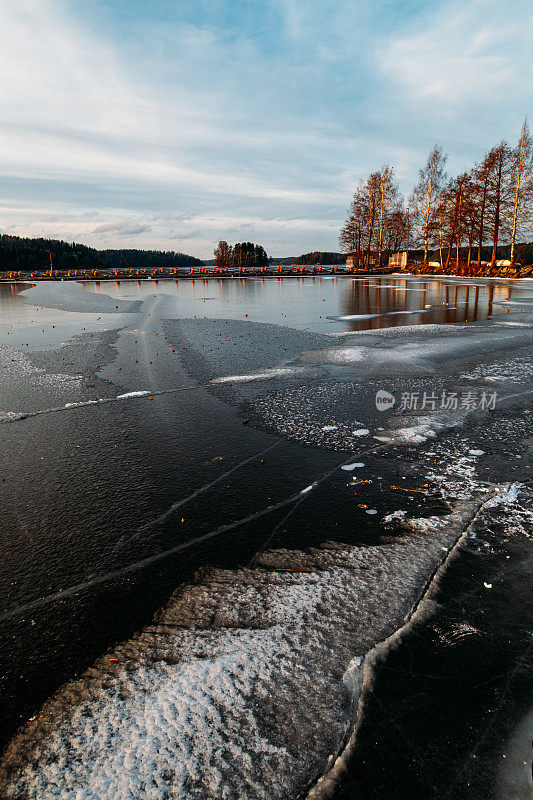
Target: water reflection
x: 319, y: 304
x: 383, y: 303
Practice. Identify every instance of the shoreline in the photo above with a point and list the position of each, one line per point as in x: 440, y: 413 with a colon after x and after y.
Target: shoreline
x: 265, y: 276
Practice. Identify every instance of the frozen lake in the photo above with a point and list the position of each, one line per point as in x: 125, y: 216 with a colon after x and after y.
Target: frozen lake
x: 213, y: 449
x: 325, y: 305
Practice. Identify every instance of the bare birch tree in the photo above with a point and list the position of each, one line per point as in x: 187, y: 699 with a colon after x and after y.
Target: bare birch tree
x: 425, y: 198
x: 499, y: 194
x: 375, y: 219
x: 481, y: 177
x: 521, y: 173
x: 390, y: 206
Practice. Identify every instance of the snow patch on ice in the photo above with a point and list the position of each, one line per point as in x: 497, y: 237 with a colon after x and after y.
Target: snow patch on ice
x: 394, y: 515
x: 413, y: 434
x: 517, y: 301
x: 417, y: 311
x: 357, y: 316
x: 353, y: 675
x: 515, y: 324
x: 71, y: 296
x: 267, y: 374
x: 11, y: 416
x: 426, y: 524
x: 132, y: 394
x: 510, y: 370
x: 506, y: 497
x: 81, y: 403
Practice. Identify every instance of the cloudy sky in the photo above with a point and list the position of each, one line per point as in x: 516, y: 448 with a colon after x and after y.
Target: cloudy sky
x: 174, y: 123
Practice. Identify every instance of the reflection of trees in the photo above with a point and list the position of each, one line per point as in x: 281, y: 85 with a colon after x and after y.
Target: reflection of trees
x: 453, y: 302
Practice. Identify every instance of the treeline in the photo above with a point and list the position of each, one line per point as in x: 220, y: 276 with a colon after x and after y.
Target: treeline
x: 319, y: 257
x: 242, y: 254
x: 489, y: 205
x: 23, y: 254
x: 154, y: 259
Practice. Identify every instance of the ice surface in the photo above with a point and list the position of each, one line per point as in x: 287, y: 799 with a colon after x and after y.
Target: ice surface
x: 242, y: 687
x: 419, y: 350
x: 22, y: 381
x: 71, y: 296
x: 512, y: 370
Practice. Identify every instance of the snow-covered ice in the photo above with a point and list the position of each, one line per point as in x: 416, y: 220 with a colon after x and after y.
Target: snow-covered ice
x: 263, y: 375
x: 71, y: 296
x: 140, y: 393
x: 203, y: 702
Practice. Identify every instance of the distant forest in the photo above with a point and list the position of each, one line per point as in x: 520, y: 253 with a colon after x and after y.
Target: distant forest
x: 318, y: 257
x: 18, y: 253
x: 242, y: 254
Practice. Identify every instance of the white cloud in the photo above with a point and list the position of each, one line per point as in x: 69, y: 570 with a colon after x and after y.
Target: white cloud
x: 121, y: 228
x: 174, y: 134
x: 50, y: 74
x: 460, y: 57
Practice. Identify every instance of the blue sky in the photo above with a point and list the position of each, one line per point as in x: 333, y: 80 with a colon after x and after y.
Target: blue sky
x: 171, y: 125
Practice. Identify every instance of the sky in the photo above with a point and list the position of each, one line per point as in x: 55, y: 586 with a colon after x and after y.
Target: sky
x: 175, y: 123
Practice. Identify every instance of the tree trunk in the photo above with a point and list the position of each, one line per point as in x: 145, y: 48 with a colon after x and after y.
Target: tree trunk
x: 440, y: 238
x: 497, y: 213
x: 516, y: 203
x: 481, y: 222
x: 448, y: 256
x: 458, y: 224
x: 381, y: 205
